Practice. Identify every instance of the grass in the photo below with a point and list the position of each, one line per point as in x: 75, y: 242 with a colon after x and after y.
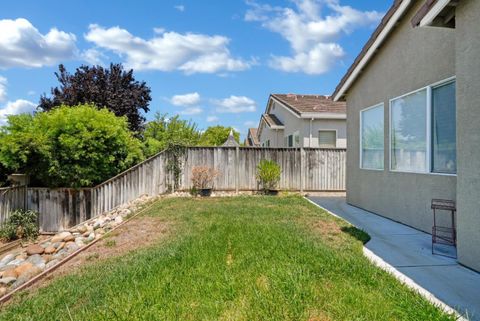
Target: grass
x: 243, y: 258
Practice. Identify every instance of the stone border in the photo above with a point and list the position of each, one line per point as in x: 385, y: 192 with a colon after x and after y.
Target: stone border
x: 41, y: 275
x: 379, y: 262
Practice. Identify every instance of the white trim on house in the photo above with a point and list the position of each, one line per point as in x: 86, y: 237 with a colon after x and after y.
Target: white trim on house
x: 382, y: 105
x: 433, y: 12
x: 428, y: 146
x: 373, y: 48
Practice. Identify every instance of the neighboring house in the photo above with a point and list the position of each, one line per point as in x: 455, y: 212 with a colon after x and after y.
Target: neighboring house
x: 252, y: 138
x: 302, y: 121
x: 414, y: 118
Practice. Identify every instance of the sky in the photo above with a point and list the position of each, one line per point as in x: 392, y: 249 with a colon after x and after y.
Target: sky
x: 214, y: 62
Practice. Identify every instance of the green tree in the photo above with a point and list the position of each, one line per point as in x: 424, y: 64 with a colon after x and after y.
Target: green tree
x: 71, y: 147
x: 217, y: 135
x: 113, y: 88
x: 164, y: 131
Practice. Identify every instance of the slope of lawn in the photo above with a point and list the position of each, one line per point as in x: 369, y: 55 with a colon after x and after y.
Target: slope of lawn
x: 242, y: 258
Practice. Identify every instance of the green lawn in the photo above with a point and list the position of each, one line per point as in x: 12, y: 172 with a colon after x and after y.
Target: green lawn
x: 242, y: 258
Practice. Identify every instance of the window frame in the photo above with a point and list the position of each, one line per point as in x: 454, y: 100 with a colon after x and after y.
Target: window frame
x: 382, y: 105
x: 428, y: 136
x: 328, y: 130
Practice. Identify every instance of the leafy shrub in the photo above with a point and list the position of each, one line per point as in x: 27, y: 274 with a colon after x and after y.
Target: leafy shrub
x: 21, y: 224
x: 68, y: 147
x: 203, y: 176
x: 268, y: 174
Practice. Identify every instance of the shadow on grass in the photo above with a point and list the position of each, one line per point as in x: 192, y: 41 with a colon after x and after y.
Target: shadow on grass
x: 360, y: 235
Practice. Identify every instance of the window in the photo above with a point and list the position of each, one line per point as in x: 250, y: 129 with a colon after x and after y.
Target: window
x: 408, y: 132
x: 289, y: 140
x: 423, y: 130
x: 444, y: 156
x: 327, y: 139
x: 372, y: 138
x: 296, y: 139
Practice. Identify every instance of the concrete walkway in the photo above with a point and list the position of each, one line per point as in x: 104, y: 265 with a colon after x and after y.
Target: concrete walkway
x: 409, y: 251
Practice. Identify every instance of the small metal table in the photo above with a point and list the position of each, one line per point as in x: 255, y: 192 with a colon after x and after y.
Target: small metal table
x: 441, y: 234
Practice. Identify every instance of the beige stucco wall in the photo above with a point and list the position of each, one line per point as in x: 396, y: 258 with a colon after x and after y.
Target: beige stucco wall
x: 410, y: 59
x: 468, y: 131
x: 294, y: 124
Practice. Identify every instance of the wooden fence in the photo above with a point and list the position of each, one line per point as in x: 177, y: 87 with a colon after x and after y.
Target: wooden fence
x: 303, y: 170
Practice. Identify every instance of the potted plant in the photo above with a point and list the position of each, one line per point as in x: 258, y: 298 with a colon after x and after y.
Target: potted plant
x: 268, y: 176
x: 202, y: 179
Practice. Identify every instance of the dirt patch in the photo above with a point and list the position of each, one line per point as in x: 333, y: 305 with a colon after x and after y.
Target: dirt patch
x: 138, y: 233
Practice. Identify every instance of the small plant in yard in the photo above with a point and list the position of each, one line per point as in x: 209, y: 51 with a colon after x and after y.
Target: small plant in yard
x: 21, y: 224
x: 202, y: 179
x: 268, y: 175
x: 110, y: 243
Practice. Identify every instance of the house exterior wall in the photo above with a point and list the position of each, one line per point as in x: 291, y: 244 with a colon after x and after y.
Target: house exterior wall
x: 294, y: 124
x: 410, y: 59
x: 468, y: 132
x: 340, y: 126
x: 275, y: 136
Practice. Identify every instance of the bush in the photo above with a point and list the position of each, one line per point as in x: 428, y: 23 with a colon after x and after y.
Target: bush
x: 21, y: 224
x: 203, y: 176
x: 68, y: 147
x: 268, y: 174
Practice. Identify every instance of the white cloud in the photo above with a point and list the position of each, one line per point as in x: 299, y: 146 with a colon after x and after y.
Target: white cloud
x: 31, y: 92
x: 212, y: 119
x: 250, y: 123
x: 313, y: 37
x: 168, y: 51
x: 191, y: 111
x: 3, y: 89
x: 190, y: 99
x: 16, y: 107
x: 94, y: 57
x: 22, y: 45
x: 180, y: 7
x: 235, y: 104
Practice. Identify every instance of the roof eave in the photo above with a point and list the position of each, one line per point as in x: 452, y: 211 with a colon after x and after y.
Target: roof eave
x: 351, y: 76
x: 324, y: 115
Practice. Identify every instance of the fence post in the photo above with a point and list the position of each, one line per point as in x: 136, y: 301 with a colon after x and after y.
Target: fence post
x: 302, y: 162
x: 237, y: 172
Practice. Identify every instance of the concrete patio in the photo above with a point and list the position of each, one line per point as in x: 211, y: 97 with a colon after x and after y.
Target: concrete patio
x: 409, y: 251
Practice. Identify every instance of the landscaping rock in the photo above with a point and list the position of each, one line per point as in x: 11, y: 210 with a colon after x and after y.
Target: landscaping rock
x: 37, y: 260
x: 23, y: 268
x: 69, y: 238
x: 60, y: 237
x: 91, y: 237
x: 26, y: 276
x: 7, y: 280
x: 14, y: 263
x: 118, y: 220
x: 50, y: 250
x: 10, y: 273
x: 82, y: 229
x: 3, y: 291
x: 48, y: 258
x: 35, y: 249
x: 46, y: 244
x: 100, y: 231
x: 52, y: 263
x: 59, y: 246
x: 71, y: 247
x: 6, y: 259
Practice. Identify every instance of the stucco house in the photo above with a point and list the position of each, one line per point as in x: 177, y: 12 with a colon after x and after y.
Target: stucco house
x: 302, y: 121
x: 413, y: 117
x: 252, y: 138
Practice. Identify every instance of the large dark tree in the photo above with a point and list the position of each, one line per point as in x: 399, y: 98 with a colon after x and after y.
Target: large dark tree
x: 113, y: 88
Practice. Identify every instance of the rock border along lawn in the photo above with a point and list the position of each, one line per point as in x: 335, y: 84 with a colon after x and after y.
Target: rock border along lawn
x: 19, y: 267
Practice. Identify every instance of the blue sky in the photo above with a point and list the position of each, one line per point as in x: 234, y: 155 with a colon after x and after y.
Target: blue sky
x: 214, y: 62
